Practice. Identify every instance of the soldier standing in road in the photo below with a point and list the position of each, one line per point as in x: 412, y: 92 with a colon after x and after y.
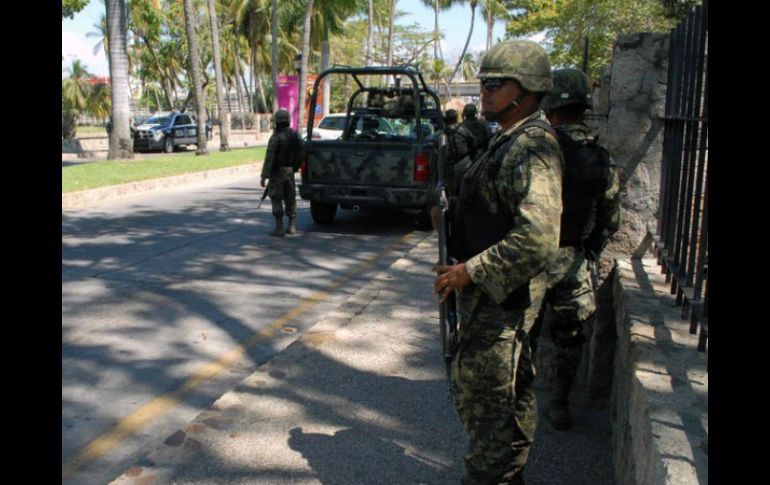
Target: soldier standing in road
x: 506, y: 228
x: 590, y: 195
x: 476, y: 126
x: 282, y: 159
x: 462, y: 150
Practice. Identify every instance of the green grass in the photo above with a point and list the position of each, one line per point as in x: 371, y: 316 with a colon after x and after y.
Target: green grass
x: 90, y: 131
x: 93, y: 175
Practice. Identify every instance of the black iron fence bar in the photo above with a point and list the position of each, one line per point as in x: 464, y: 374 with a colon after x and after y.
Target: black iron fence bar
x: 682, y: 202
x: 682, y: 230
x: 691, y: 203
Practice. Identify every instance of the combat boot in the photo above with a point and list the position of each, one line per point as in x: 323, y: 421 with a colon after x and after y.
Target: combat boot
x: 292, y: 226
x: 567, y: 361
x: 278, y: 231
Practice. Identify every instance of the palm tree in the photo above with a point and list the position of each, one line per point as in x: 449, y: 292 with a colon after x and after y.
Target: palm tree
x: 470, y: 66
x: 121, y: 145
x: 75, y: 91
x: 437, y: 6
x: 274, y: 50
x: 492, y: 10
x: 303, y: 70
x: 468, y: 39
x: 197, y: 77
x: 99, y: 103
x: 224, y: 115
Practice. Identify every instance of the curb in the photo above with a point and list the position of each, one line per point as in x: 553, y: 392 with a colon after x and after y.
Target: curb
x: 86, y: 198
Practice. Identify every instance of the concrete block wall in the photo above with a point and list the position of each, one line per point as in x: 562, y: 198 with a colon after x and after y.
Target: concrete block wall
x: 659, y: 401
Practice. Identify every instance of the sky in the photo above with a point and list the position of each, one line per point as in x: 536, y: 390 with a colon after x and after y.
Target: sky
x: 456, y: 20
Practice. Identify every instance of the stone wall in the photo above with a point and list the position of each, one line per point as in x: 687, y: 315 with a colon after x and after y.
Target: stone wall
x: 634, y: 100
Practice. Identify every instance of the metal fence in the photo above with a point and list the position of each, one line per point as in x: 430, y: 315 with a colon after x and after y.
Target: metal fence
x: 681, y: 235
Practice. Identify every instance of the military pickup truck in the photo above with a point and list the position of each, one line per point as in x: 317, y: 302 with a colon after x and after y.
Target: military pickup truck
x: 386, y: 155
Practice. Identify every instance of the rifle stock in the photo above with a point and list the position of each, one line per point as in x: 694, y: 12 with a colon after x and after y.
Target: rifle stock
x: 448, y: 310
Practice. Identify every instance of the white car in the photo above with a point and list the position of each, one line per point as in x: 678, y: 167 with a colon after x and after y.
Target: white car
x: 330, y: 127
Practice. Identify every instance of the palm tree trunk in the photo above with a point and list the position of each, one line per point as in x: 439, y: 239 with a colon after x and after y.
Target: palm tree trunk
x: 260, y: 91
x: 370, y: 32
x: 467, y: 40
x: 303, y: 71
x: 325, y: 57
x: 490, y: 24
x: 195, y: 61
x: 274, y: 50
x: 224, y: 114
x: 121, y: 145
x: 391, y: 19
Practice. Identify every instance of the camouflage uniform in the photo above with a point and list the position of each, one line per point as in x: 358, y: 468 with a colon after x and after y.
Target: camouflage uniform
x: 492, y: 372
x: 461, y: 150
x: 570, y: 289
x: 283, y: 152
x: 476, y: 126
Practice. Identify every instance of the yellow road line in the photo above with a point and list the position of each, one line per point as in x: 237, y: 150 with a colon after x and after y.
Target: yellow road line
x: 106, y: 442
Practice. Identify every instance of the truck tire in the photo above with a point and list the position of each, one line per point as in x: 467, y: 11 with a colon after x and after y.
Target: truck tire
x: 322, y: 213
x: 168, y: 145
x: 423, y: 219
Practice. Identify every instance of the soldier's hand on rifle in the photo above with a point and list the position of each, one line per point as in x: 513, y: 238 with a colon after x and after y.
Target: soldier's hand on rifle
x: 262, y: 181
x: 450, y: 278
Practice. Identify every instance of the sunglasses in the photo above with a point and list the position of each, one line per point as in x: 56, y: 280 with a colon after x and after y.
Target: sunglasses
x: 492, y: 84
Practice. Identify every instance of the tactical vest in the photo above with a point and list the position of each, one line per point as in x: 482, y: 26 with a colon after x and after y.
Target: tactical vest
x: 479, y: 223
x: 457, y: 151
x: 586, y: 166
x: 286, y: 151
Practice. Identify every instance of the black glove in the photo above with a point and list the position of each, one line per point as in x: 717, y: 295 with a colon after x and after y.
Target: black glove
x: 262, y: 181
x: 594, y: 244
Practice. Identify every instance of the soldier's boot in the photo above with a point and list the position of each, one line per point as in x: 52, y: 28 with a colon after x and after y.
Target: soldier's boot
x: 278, y: 231
x: 567, y: 361
x: 292, y: 226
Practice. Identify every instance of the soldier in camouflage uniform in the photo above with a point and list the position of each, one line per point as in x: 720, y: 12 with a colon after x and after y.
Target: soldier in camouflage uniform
x: 505, y: 229
x: 462, y: 150
x: 591, y: 215
x: 282, y: 159
x: 476, y: 126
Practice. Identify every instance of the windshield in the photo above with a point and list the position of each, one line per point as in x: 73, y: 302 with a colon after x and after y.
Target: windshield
x: 158, y: 120
x: 333, y: 123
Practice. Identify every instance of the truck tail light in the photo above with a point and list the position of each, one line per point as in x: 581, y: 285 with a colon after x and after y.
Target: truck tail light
x: 421, y: 167
x: 303, y: 167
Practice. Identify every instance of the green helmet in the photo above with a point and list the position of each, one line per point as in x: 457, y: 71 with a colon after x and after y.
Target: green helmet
x: 469, y: 110
x: 522, y: 60
x: 281, y: 116
x: 570, y: 86
x: 450, y: 116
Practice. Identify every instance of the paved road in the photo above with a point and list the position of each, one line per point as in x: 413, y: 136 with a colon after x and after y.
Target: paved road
x: 169, y: 300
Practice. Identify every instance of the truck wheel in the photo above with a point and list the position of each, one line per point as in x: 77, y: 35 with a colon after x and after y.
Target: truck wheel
x: 168, y: 145
x: 322, y: 213
x: 423, y: 219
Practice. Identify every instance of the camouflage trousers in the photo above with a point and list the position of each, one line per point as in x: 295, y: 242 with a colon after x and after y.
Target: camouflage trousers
x: 492, y: 384
x: 283, y: 192
x: 567, y: 287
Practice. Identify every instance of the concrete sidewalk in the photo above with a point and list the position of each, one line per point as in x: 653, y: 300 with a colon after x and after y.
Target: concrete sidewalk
x: 361, y: 398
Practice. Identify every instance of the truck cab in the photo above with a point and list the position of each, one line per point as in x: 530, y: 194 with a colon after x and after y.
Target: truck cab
x: 386, y: 155
x: 166, y: 132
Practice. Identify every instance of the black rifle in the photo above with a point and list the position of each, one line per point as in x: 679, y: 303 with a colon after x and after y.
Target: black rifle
x: 264, y: 194
x: 447, y: 311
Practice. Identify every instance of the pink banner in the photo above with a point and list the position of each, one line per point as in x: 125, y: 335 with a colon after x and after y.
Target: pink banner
x: 288, y: 94
x: 288, y: 98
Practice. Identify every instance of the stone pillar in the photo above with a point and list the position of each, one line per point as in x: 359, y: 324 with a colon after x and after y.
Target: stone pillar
x: 633, y: 95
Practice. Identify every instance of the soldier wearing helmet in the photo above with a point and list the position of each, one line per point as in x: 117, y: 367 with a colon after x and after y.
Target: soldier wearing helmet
x: 590, y: 195
x: 461, y: 149
x: 476, y: 126
x: 282, y: 159
x: 505, y: 228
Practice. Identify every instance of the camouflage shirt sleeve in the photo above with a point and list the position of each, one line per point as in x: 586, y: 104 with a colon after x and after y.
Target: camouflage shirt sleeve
x: 529, y: 184
x: 608, y: 205
x: 272, y: 145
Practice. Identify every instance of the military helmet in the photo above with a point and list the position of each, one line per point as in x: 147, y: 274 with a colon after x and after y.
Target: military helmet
x: 450, y: 116
x: 281, y: 116
x: 570, y: 86
x: 522, y: 60
x: 469, y: 110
